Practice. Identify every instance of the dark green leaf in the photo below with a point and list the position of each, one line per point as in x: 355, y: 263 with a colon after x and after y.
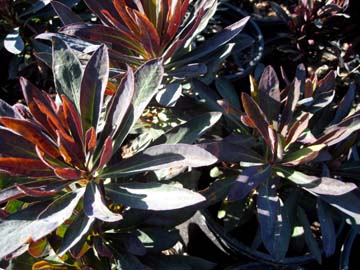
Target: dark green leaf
x: 156, y: 240
x: 152, y: 196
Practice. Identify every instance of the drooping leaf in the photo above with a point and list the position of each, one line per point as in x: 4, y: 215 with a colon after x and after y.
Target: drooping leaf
x: 152, y: 196
x: 160, y: 157
x: 95, y: 206
x: 178, y: 262
x: 67, y: 72
x: 93, y: 87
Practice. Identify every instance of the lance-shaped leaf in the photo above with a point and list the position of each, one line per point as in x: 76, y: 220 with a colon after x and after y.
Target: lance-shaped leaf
x: 15, y: 230
x: 7, y: 110
x: 25, y: 166
x: 67, y: 72
x: 189, y: 131
x: 270, y: 219
x: 147, y: 81
x: 55, y: 214
x: 345, y: 105
x: 32, y: 133
x: 297, y: 129
x: 93, y: 87
x: 249, y: 179
x: 161, y: 157
x: 327, y: 227
x: 343, y: 196
x: 213, y: 43
x: 77, y: 229
x: 15, y: 145
x: 269, y: 94
x: 65, y: 13
x: 94, y: 204
x: 258, y: 117
x: 152, y: 196
x: 303, y: 155
x: 309, y: 238
x: 227, y: 151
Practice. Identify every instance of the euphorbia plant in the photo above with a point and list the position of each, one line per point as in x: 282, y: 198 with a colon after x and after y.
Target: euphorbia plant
x: 287, y: 144
x: 137, y: 31
x: 65, y: 155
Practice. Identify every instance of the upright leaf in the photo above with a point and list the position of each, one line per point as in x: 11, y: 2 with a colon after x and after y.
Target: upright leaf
x: 67, y: 72
x: 93, y: 87
x: 327, y: 228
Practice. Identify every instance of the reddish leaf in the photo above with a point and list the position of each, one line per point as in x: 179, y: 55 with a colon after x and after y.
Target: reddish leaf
x: 257, y: 116
x: 25, y: 166
x: 98, y: 7
x: 34, y: 192
x: 32, y: 133
x: 37, y: 248
x: 68, y: 173
x: 15, y: 145
x: 106, y: 152
x: 73, y: 119
x: 90, y: 139
x: 297, y: 129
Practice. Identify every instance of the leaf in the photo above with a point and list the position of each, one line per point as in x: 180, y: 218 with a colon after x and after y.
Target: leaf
x: 13, y: 42
x: 280, y: 12
x: 152, y: 196
x: 147, y: 81
x: 292, y: 99
x: 303, y: 155
x: 297, y: 129
x: 249, y: 179
x: 226, y: 151
x: 189, y: 131
x: 345, y: 105
x: 347, y: 248
x: 75, y: 232
x: 309, y: 238
x: 320, y: 101
x: 37, y: 249
x: 268, y: 208
x: 228, y: 91
x: 327, y: 227
x: 156, y: 240
x: 65, y: 13
x: 25, y: 166
x: 160, y: 157
x: 55, y: 214
x: 213, y: 43
x: 169, y: 95
x: 269, y: 94
x: 15, y: 230
x: 67, y: 72
x: 15, y: 145
x: 93, y: 87
x: 7, y: 110
x: 258, y: 117
x: 95, y: 206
